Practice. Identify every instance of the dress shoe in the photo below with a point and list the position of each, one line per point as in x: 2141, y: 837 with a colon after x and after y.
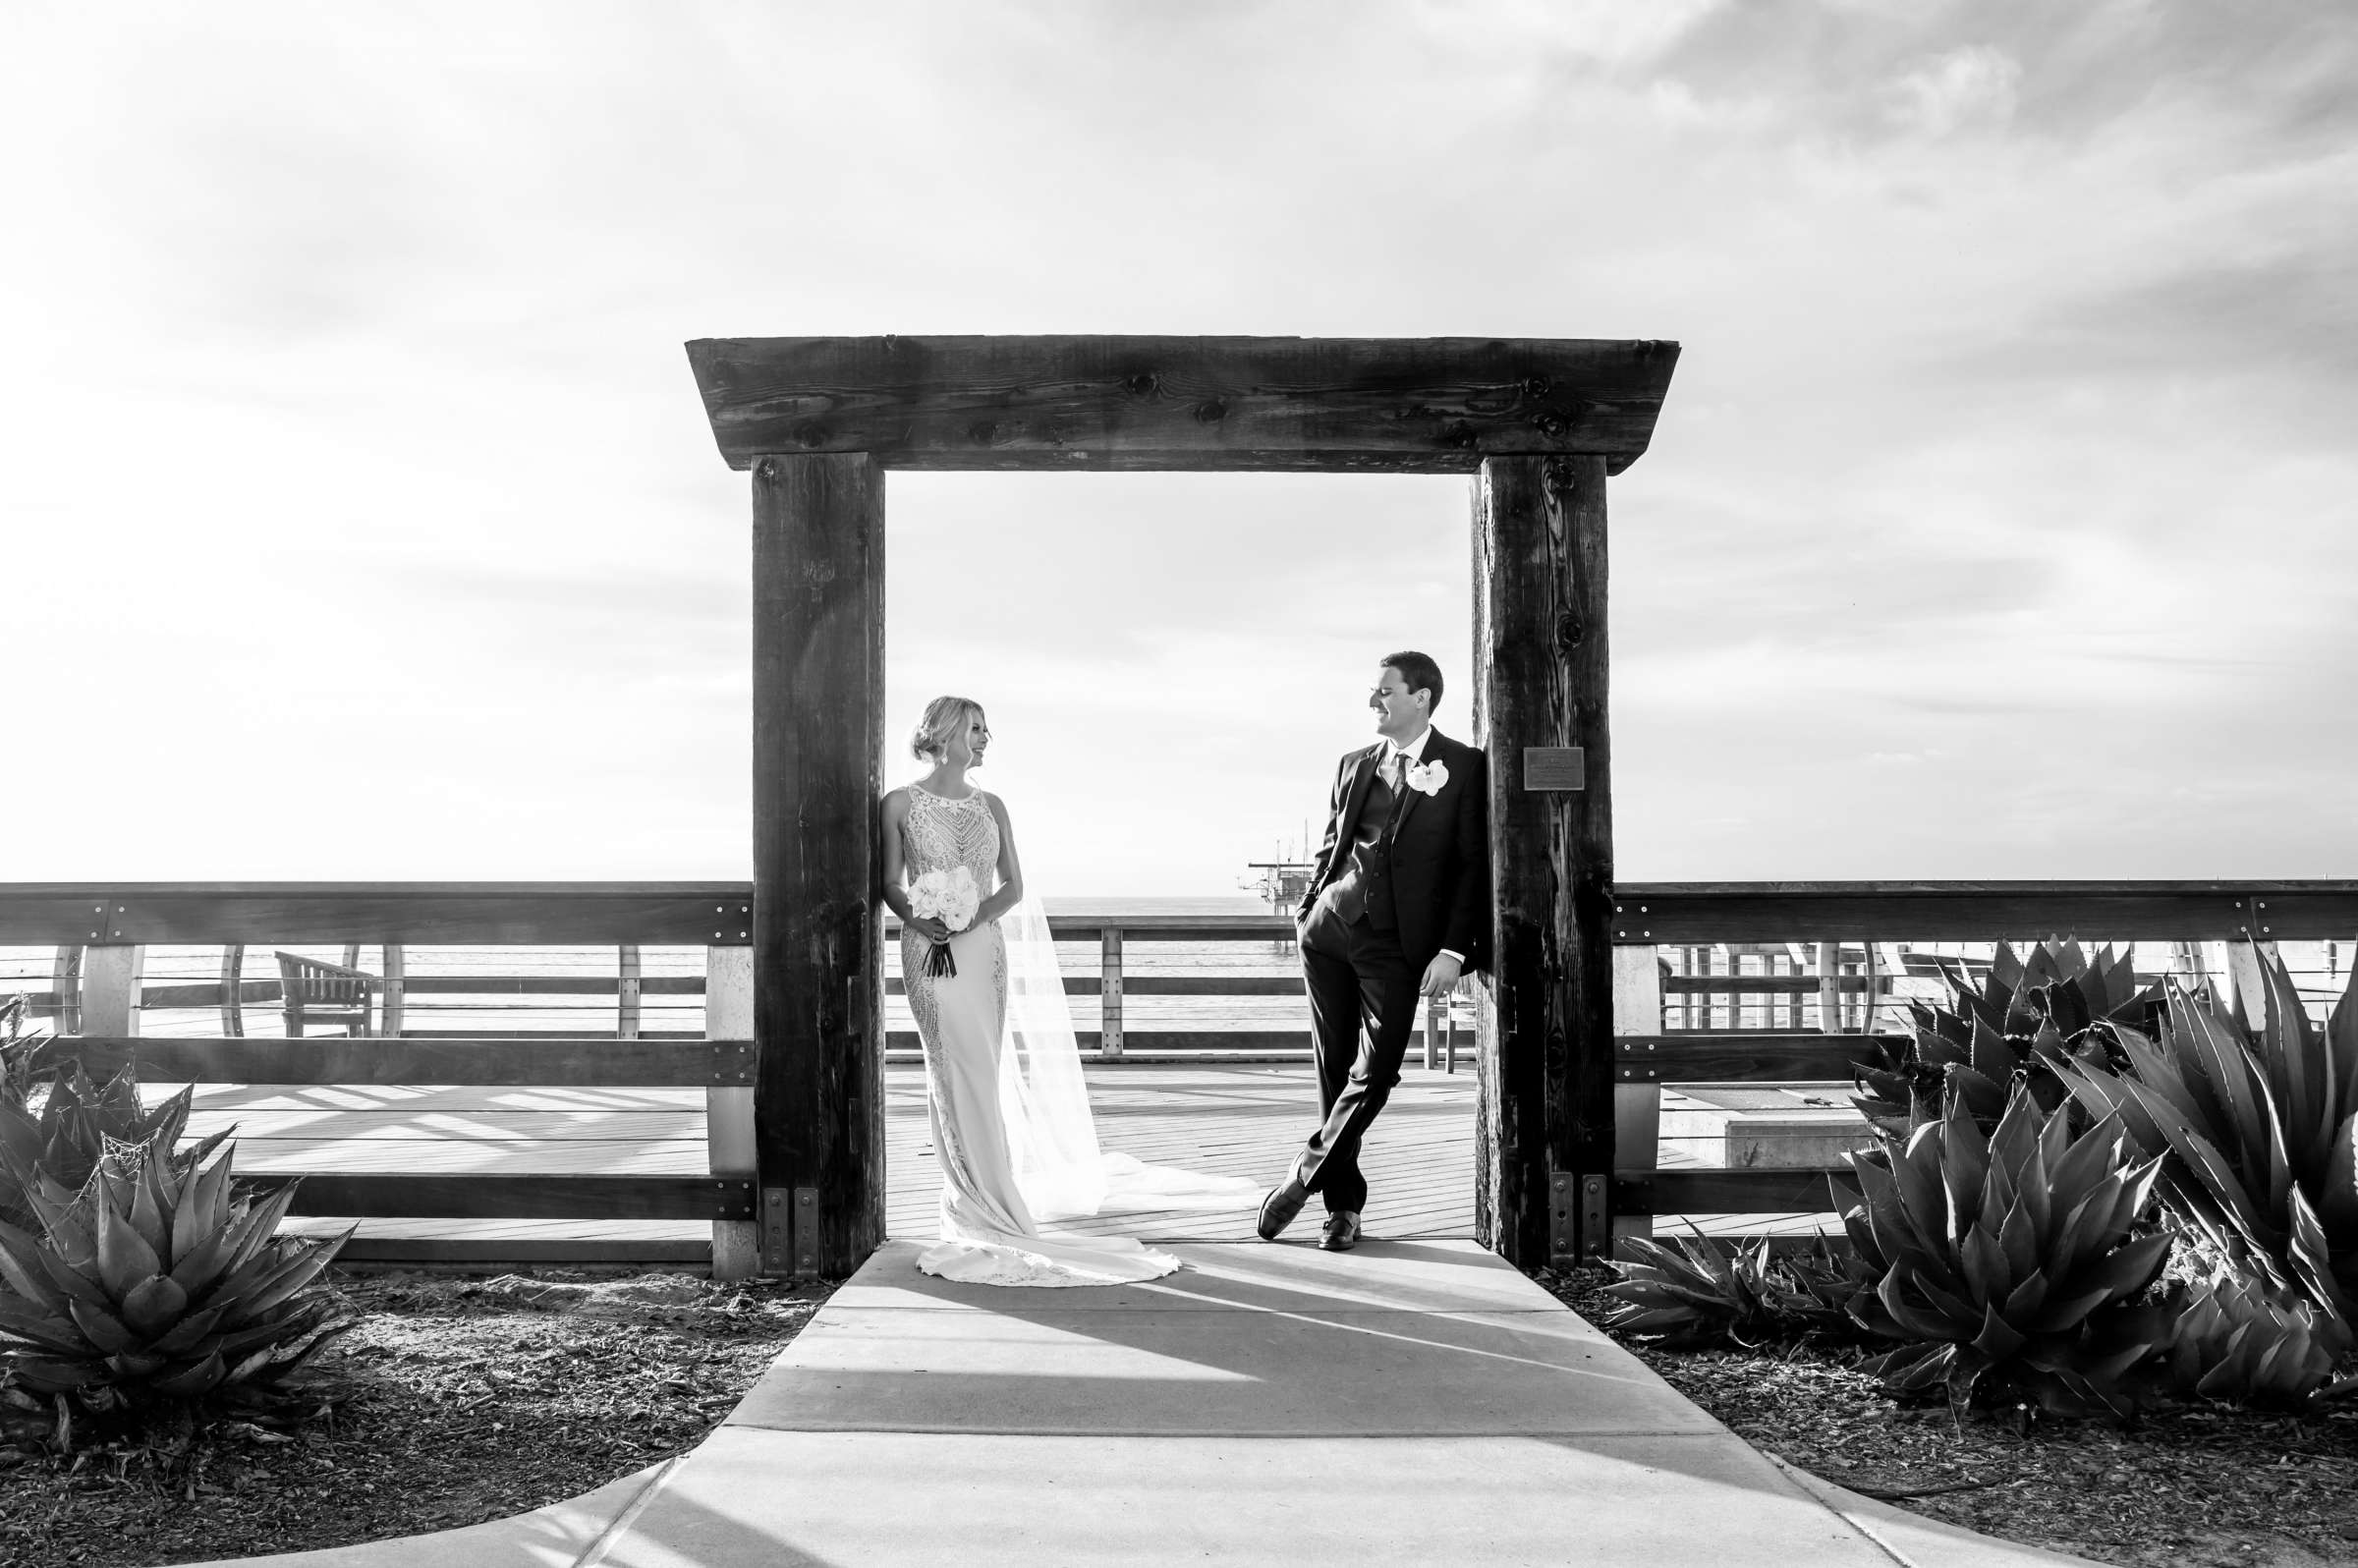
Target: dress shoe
x: 1277, y: 1210
x: 1340, y: 1233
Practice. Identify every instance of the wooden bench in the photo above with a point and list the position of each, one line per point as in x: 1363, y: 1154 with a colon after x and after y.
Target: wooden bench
x: 313, y: 993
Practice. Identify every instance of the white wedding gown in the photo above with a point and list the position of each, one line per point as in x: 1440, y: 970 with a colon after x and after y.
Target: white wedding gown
x: 1011, y: 1121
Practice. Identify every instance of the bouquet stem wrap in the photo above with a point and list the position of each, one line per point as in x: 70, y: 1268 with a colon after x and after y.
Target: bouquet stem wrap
x: 951, y: 897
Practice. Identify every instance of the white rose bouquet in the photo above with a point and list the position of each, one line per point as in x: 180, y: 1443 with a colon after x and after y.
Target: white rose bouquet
x: 950, y: 897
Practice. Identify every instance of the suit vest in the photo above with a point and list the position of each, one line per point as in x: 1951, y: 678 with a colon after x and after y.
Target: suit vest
x: 1364, y: 886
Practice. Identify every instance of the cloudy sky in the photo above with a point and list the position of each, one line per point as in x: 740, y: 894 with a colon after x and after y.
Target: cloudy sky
x: 361, y: 519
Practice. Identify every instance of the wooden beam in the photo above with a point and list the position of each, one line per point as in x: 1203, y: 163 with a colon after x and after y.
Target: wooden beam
x: 1405, y: 405
x: 444, y: 914
x: 332, y: 1059
x: 1544, y: 1120
x: 1163, y: 1039
x: 1726, y: 1192
x: 1802, y: 1057
x: 478, y: 1195
x: 1980, y: 912
x: 818, y: 745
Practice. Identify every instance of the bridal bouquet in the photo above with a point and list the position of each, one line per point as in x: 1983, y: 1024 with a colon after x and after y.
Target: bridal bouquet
x: 950, y: 897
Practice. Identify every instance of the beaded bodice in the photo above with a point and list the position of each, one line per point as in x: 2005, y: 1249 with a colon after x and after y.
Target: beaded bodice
x: 941, y: 833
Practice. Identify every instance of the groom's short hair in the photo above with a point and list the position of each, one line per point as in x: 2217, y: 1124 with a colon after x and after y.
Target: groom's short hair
x: 1418, y: 672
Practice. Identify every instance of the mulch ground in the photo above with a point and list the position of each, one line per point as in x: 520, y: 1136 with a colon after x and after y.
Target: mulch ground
x: 455, y: 1401
x: 2191, y: 1488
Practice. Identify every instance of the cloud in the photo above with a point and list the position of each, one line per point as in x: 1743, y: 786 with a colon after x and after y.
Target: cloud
x: 1973, y: 86
x: 2009, y: 434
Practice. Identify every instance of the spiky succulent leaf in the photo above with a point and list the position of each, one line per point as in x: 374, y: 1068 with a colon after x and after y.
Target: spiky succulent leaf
x: 124, y: 1255
x: 48, y: 1332
x: 2028, y: 1286
x: 234, y: 1309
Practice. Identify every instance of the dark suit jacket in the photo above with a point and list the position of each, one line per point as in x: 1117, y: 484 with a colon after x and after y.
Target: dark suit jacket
x: 1439, y: 854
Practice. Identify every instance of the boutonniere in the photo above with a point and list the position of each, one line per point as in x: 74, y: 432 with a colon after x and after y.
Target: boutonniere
x: 1427, y: 779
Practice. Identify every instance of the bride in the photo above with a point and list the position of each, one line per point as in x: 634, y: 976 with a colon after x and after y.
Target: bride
x: 1011, y: 1119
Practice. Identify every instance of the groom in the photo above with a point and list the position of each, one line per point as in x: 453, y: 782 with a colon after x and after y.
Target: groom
x: 1398, y: 907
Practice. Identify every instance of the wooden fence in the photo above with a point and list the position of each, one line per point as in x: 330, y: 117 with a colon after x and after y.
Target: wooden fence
x: 400, y: 991
x: 102, y: 930
x: 106, y: 929
x: 96, y: 994
x: 1649, y: 1053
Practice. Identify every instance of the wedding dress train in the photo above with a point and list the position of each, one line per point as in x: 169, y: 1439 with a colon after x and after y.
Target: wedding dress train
x: 1010, y: 1111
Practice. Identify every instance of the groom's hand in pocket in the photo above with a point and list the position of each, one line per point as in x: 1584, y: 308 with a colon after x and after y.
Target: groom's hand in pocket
x: 1440, y: 976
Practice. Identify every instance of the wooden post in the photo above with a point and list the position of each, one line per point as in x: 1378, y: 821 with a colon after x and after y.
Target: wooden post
x: 233, y: 990
x: 1544, y: 1130
x: 396, y: 984
x: 627, y: 996
x: 1830, y: 989
x: 818, y: 953
x: 729, y: 1141
x: 1867, y: 1008
x: 1109, y: 994
x: 2245, y: 992
x: 1636, y: 1090
x: 111, y: 972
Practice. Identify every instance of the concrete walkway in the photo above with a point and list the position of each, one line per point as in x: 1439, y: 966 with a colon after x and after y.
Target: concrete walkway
x: 1412, y: 1402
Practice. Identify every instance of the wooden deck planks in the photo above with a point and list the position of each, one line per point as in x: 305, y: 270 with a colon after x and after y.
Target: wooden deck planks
x: 1239, y: 1119
x: 1242, y: 1120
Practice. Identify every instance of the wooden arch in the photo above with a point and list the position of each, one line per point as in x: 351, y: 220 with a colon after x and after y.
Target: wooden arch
x: 1538, y: 423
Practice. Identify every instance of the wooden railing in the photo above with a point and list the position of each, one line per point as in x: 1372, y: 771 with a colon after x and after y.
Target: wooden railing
x: 1649, y: 1054
x: 400, y: 991
x: 107, y: 927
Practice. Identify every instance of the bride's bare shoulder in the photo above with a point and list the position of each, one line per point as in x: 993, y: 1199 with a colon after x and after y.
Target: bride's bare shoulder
x: 895, y: 802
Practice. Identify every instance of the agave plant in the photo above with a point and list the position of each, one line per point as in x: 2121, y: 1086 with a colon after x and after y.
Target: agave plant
x: 2012, y: 1262
x: 75, y: 1128
x: 2242, y: 1340
x: 1705, y: 1288
x: 156, y: 1280
x: 2058, y: 1000
x: 2259, y: 1128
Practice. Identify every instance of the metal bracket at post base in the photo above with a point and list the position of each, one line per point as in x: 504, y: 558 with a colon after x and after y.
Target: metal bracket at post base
x: 777, y: 1231
x: 1578, y: 1214
x: 790, y: 1232
x: 1564, y: 1228
x: 806, y: 1232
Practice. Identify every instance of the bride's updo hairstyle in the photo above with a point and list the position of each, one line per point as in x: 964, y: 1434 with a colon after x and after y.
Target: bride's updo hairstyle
x: 944, y: 718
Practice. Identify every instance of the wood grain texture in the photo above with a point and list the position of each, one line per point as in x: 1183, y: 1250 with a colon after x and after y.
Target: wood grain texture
x: 455, y: 914
x: 1285, y: 1040
x: 1980, y: 912
x: 1723, y: 1191
x: 1407, y: 405
x: 1152, y: 985
x: 1700, y: 1058
x: 256, y: 1059
x: 818, y: 740
x: 1541, y: 679
x: 1158, y: 927
x: 537, y: 1196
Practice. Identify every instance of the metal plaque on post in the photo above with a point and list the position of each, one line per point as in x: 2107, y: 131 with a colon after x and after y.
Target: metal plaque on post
x: 1554, y: 767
